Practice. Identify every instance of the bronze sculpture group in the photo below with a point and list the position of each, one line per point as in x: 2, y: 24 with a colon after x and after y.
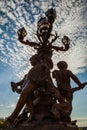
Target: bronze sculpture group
x: 38, y: 94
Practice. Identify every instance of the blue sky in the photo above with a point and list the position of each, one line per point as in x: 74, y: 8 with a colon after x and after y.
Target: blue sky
x: 14, y: 57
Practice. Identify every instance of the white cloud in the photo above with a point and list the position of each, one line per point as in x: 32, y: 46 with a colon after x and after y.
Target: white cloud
x: 0, y: 31
x: 69, y: 22
x: 1, y: 105
x: 12, y: 106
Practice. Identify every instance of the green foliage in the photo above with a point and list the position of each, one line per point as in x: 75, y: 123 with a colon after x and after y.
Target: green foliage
x: 3, y: 124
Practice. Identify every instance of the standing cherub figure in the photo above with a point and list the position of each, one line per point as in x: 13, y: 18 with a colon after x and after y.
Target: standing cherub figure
x: 63, y: 77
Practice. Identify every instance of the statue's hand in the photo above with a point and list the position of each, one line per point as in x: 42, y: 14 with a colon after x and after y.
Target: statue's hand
x: 83, y: 85
x: 13, y: 86
x: 20, y: 38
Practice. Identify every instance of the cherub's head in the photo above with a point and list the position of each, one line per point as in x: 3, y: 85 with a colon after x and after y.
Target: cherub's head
x: 62, y: 65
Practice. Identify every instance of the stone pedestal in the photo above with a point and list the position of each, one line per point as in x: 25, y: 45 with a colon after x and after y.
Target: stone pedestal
x: 45, y: 125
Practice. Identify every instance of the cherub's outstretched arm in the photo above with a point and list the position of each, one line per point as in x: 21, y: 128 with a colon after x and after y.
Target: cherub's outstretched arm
x: 75, y: 79
x: 14, y: 86
x: 78, y: 88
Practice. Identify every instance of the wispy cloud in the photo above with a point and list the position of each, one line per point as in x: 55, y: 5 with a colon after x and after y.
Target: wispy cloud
x: 11, y: 106
x: 1, y: 105
x: 70, y: 21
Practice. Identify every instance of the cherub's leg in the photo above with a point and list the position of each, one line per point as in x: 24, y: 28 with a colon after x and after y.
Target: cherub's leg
x: 28, y: 89
x: 56, y: 111
x: 30, y: 105
x: 69, y: 99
